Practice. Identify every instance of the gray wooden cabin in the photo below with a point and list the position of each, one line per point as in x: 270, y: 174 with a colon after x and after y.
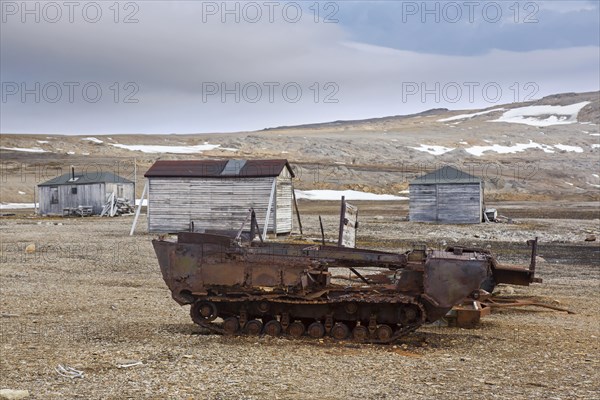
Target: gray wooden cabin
x: 217, y: 194
x: 447, y: 196
x: 88, y: 189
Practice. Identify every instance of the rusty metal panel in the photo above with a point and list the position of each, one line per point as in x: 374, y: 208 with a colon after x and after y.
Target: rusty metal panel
x: 446, y: 280
x: 199, y: 238
x: 184, y: 260
x: 293, y: 275
x: 266, y: 275
x: 222, y: 274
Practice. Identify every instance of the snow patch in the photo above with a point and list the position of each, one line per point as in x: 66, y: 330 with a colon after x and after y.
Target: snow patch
x: 569, y: 183
x: 25, y: 149
x: 349, y: 195
x: 13, y: 206
x: 568, y: 148
x: 433, y: 149
x: 42, y: 141
x: 93, y: 139
x: 21, y: 192
x: 517, y: 148
x: 466, y: 116
x: 596, y: 146
x: 144, y: 203
x: 557, y: 115
x: 149, y: 148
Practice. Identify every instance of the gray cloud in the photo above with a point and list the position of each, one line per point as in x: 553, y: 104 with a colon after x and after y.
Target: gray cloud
x: 171, y: 55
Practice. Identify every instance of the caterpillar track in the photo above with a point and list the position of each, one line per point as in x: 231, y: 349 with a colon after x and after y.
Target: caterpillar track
x: 281, y: 289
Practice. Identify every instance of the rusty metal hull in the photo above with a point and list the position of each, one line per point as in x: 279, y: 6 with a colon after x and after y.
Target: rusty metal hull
x: 280, y: 288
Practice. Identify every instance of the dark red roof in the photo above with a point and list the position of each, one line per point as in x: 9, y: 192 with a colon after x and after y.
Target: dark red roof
x: 217, y: 168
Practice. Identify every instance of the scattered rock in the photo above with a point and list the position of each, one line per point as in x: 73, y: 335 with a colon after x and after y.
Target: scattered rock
x: 539, y: 259
x: 590, y: 238
x: 30, y: 248
x: 506, y: 290
x: 10, y: 394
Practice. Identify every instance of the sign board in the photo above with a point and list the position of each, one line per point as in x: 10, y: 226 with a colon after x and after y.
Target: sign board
x: 348, y: 224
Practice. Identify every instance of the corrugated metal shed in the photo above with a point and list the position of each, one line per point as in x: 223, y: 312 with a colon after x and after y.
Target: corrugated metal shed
x: 447, y: 195
x: 216, y: 194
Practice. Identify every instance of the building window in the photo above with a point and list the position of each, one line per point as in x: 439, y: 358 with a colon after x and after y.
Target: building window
x: 54, y: 195
x: 74, y: 190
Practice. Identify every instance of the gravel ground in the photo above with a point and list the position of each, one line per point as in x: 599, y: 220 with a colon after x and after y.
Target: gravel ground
x: 92, y: 298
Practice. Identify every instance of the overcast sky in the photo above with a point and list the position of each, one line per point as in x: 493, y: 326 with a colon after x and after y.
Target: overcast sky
x: 187, y: 67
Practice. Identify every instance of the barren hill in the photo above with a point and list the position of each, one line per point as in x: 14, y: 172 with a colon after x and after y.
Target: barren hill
x: 541, y: 150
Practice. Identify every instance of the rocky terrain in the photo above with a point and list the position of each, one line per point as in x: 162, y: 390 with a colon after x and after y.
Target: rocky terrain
x: 91, y: 298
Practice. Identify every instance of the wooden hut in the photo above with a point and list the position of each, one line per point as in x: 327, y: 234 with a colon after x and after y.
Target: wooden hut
x: 217, y: 194
x: 448, y: 196
x: 86, y: 192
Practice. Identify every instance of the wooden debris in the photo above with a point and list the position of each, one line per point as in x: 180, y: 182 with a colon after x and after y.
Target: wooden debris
x: 116, y: 206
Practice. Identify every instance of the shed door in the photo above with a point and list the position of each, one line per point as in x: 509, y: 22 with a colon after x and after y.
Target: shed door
x: 55, y: 207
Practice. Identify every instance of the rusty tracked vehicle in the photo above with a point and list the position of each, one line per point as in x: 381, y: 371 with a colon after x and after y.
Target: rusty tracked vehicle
x: 279, y: 288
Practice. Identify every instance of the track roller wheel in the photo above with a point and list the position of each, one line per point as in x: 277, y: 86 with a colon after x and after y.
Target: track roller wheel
x: 340, y: 331
x: 316, y: 330
x: 231, y: 325
x: 360, y: 333
x: 409, y: 314
x: 253, y: 327
x: 296, y: 329
x: 273, y: 328
x: 263, y: 307
x: 384, y: 332
x: 203, y: 311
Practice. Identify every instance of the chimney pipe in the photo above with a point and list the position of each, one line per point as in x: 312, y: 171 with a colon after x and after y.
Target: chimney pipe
x: 72, y: 173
